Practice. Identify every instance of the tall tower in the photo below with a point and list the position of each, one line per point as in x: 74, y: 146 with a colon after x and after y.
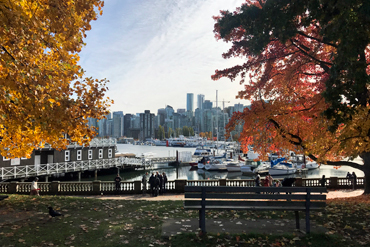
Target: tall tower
x: 190, y: 102
x: 200, y: 101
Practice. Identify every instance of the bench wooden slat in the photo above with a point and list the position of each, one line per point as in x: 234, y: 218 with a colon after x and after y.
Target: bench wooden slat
x: 254, y: 189
x: 255, y: 196
x: 248, y: 204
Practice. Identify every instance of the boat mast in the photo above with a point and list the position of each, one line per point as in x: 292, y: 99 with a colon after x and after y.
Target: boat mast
x: 217, y: 118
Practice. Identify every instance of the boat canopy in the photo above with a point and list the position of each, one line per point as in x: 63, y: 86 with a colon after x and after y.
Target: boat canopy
x: 277, y: 161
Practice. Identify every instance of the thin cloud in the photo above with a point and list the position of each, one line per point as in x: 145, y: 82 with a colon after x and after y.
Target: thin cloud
x: 155, y: 52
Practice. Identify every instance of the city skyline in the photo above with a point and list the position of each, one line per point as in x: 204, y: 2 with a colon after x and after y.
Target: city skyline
x: 154, y: 53
x: 195, y: 105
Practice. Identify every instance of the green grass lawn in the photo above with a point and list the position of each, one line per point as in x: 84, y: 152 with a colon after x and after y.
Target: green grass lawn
x: 24, y: 221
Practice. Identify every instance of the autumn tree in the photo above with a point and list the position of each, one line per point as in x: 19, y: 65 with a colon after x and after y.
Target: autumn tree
x: 191, y: 131
x: 178, y: 132
x: 43, y: 90
x: 169, y: 132
x: 161, y: 132
x: 306, y: 74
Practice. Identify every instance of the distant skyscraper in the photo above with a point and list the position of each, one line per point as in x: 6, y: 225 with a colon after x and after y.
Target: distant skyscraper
x: 200, y: 101
x: 146, y: 125
x: 118, y: 125
x: 207, y: 105
x: 190, y: 102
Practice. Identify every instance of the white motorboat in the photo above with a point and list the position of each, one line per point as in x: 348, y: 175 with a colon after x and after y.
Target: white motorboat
x: 281, y: 168
x: 312, y: 165
x: 249, y: 167
x: 234, y: 166
x: 262, y: 167
x: 215, y: 165
x: 200, y: 151
x: 246, y: 169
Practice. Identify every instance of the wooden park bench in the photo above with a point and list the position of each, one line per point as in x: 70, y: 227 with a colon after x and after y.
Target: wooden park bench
x: 295, y: 199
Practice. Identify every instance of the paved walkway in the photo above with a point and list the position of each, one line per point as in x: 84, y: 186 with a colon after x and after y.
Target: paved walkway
x: 330, y: 195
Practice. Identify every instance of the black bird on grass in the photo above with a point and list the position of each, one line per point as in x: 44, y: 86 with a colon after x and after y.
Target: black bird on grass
x: 54, y: 213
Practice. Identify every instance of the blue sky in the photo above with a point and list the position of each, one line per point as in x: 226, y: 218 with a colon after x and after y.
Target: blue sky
x: 155, y: 52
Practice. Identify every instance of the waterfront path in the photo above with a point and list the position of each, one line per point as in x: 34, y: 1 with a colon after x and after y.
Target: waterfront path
x: 332, y: 194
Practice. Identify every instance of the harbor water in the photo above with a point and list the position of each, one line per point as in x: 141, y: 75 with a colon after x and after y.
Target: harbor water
x: 185, y: 172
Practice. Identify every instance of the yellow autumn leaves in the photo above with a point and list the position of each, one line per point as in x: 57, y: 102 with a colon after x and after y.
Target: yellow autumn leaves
x: 39, y: 101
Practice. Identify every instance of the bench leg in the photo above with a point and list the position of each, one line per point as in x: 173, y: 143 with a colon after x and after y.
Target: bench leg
x: 202, y: 221
x: 297, y: 220
x: 308, y: 230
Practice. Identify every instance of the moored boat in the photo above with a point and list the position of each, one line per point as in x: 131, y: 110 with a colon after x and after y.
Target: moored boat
x: 233, y: 166
x: 278, y: 167
x: 215, y: 165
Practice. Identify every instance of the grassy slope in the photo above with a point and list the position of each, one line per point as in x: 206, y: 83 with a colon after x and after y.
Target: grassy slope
x: 24, y: 221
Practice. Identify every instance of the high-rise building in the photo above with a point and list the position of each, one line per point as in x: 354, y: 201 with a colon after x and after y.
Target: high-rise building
x: 200, y: 101
x: 118, y: 124
x: 190, y: 102
x: 127, y: 124
x: 169, y: 112
x: 146, y: 125
x: 207, y: 105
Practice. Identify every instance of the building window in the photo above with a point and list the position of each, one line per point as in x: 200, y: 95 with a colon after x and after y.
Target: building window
x: 15, y: 162
x: 100, y: 153
x: 79, y: 154
x: 110, y: 153
x: 66, y: 155
x: 90, y: 154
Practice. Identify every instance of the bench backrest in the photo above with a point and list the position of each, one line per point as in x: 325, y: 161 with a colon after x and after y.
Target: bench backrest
x: 264, y: 198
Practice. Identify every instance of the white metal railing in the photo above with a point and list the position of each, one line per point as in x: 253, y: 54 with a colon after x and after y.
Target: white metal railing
x: 73, y: 166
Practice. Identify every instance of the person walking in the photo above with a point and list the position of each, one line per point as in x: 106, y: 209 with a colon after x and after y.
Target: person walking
x: 323, y: 181
x: 156, y: 184
x: 164, y: 177
x: 160, y: 190
x: 258, y: 180
x: 354, y: 178
x: 144, y: 181
x: 152, y: 184
x: 117, y: 181
x: 34, y: 187
x: 349, y: 177
x: 270, y: 180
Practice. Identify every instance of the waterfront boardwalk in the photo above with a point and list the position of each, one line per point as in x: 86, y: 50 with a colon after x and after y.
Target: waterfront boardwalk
x: 79, y: 166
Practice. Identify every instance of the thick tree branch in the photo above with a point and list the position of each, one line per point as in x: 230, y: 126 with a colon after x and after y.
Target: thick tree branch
x: 319, y: 40
x: 323, y: 64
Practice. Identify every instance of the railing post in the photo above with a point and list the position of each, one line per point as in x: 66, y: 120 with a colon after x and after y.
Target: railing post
x: 54, y: 188
x: 333, y: 183
x: 298, y: 182
x: 222, y: 181
x: 180, y: 185
x: 137, y: 187
x: 13, y: 187
x: 96, y: 187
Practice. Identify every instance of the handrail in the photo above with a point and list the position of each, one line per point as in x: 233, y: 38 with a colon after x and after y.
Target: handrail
x: 135, y: 187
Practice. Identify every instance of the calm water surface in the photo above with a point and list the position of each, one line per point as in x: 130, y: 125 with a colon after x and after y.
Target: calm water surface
x: 186, y: 173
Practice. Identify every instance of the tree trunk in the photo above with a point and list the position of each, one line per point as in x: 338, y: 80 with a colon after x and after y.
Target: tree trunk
x: 366, y: 170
